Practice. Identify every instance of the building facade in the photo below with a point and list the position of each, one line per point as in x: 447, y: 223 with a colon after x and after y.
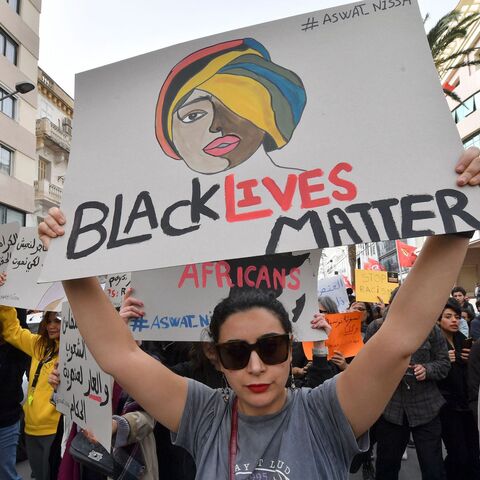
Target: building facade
x: 54, y: 137
x: 465, y: 82
x: 19, y: 48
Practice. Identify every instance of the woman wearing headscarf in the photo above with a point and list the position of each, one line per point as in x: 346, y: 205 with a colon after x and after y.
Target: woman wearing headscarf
x: 218, y: 105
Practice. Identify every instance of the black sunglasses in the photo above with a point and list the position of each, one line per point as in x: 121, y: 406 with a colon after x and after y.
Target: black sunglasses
x: 272, y: 350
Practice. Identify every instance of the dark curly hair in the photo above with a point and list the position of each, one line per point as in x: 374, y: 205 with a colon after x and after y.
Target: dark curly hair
x: 244, y: 301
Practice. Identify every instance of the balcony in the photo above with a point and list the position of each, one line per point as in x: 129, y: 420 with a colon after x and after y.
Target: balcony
x: 47, y: 194
x: 53, y: 136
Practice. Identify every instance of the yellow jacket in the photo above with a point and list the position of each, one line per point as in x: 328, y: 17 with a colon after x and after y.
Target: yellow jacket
x: 41, y: 418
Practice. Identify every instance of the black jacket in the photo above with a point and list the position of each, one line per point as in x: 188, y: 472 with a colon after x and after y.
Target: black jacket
x: 13, y: 364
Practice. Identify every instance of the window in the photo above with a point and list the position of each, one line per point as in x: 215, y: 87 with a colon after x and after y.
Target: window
x: 9, y: 215
x: 14, y: 4
x: 8, y: 47
x: 46, y: 109
x: 473, y: 141
x: 6, y: 156
x: 467, y: 107
x: 43, y: 170
x: 7, y: 106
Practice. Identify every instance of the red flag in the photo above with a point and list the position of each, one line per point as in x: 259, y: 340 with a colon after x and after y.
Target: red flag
x: 372, y: 264
x: 448, y: 86
x: 406, y: 254
x: 347, y: 282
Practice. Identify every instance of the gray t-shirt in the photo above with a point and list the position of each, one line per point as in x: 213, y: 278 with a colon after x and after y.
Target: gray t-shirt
x: 309, y: 438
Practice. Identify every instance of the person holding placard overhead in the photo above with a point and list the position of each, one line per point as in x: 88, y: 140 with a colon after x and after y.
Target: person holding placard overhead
x: 258, y: 426
x: 41, y: 418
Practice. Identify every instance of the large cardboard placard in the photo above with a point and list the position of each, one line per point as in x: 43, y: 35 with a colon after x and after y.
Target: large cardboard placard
x: 373, y: 286
x: 334, y: 287
x: 262, y: 140
x: 8, y: 239
x: 22, y: 288
x: 85, y: 391
x: 179, y: 301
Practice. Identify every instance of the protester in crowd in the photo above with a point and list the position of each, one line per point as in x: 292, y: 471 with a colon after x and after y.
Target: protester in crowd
x: 312, y: 374
x: 41, y: 418
x: 477, y: 293
x: 475, y: 324
x: 467, y: 316
x: 459, y: 432
x: 228, y: 433
x: 460, y: 295
x: 413, y: 409
x: 130, y: 426
x: 365, y: 308
x: 473, y: 378
x: 13, y: 364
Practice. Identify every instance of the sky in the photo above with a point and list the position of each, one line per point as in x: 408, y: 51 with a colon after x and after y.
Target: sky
x: 78, y: 35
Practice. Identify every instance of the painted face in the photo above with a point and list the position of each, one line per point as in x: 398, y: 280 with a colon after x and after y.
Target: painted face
x: 449, y: 321
x: 211, y: 138
x: 459, y: 297
x: 53, y: 326
x: 359, y: 307
x: 260, y: 387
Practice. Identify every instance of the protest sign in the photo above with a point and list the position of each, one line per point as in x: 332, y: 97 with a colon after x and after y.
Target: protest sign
x: 116, y: 287
x: 8, y: 239
x: 21, y: 288
x: 179, y: 301
x: 373, y: 286
x: 334, y: 287
x: 85, y: 391
x: 345, y: 336
x: 262, y: 141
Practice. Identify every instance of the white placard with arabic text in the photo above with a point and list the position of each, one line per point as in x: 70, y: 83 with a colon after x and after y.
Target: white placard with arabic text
x: 85, y: 391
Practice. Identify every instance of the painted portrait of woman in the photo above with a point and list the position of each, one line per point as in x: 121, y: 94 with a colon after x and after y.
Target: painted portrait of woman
x: 219, y: 105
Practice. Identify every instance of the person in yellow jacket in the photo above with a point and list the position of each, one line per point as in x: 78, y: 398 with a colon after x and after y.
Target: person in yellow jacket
x: 41, y: 418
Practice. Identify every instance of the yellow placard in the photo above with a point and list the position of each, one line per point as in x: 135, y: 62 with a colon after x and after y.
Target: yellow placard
x: 370, y: 285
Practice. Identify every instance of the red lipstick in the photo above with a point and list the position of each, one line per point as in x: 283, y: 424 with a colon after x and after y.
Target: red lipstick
x: 221, y: 146
x: 258, y: 388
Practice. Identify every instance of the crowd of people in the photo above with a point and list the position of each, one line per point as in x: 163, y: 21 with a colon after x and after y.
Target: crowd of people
x: 436, y: 400
x: 245, y: 403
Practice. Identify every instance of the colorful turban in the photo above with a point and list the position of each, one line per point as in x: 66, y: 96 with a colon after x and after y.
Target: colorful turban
x: 241, y: 75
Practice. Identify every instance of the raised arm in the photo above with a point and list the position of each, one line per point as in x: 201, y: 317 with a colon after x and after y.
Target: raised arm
x: 160, y: 392
x: 367, y: 385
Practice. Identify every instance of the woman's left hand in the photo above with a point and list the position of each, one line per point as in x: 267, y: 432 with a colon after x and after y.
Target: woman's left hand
x: 3, y: 278
x: 420, y: 372
x: 468, y: 167
x: 320, y: 322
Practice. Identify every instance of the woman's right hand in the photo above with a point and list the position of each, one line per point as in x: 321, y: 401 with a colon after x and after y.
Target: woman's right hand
x: 54, y: 377
x: 131, y: 307
x: 451, y: 355
x: 51, y: 227
x: 3, y: 278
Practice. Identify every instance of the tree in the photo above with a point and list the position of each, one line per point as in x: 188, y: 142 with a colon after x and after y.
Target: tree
x: 442, y: 37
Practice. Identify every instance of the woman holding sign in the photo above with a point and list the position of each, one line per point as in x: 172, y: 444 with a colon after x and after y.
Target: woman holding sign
x: 41, y: 418
x: 258, y: 426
